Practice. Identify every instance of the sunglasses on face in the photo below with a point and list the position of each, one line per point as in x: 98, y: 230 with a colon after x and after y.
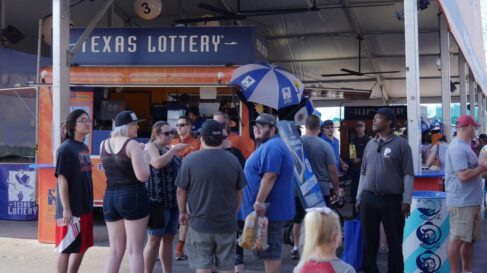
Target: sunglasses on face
x: 181, y: 125
x: 167, y: 133
x: 328, y: 127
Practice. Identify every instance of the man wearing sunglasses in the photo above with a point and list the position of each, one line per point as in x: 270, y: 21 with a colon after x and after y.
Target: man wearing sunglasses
x: 328, y: 131
x: 183, y: 126
x: 385, y: 189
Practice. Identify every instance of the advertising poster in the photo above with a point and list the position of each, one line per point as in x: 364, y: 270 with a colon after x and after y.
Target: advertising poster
x: 99, y: 181
x: 305, y: 181
x: 17, y: 192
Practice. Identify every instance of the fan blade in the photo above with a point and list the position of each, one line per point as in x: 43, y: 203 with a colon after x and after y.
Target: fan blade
x: 209, y: 19
x: 352, y: 72
x: 380, y: 72
x: 336, y: 75
x: 214, y: 9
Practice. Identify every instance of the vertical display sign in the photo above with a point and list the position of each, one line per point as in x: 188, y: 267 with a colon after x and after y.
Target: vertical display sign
x: 17, y: 192
x: 305, y: 181
x: 84, y: 101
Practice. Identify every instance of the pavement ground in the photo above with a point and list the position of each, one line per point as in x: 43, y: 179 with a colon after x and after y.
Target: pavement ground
x: 20, y: 252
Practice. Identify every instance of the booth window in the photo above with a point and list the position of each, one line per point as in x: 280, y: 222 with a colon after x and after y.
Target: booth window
x: 17, y: 133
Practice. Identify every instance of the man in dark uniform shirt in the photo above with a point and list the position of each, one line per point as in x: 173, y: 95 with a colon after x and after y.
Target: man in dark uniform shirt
x: 384, y: 193
x: 357, y: 148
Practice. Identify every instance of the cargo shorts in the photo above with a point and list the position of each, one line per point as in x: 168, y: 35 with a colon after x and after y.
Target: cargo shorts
x: 466, y: 224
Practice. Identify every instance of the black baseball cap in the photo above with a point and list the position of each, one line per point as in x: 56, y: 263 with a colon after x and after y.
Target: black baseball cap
x: 266, y: 119
x: 126, y: 117
x: 328, y: 122
x: 388, y: 114
x: 211, y: 128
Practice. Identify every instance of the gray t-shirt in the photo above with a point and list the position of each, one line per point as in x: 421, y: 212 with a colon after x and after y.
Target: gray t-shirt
x: 212, y: 178
x: 320, y: 155
x: 385, y: 165
x: 460, y: 157
x: 319, y: 265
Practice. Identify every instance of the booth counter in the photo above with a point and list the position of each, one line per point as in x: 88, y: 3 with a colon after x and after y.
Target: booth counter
x: 428, y: 180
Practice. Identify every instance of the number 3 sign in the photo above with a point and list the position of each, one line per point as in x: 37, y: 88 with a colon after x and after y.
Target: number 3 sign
x: 148, y: 9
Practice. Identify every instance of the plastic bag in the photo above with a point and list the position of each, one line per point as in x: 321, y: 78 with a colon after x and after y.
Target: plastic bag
x: 254, y: 235
x: 247, y: 239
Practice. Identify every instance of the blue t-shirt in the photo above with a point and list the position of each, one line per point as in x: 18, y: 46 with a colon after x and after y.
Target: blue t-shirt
x: 459, y: 157
x: 335, y: 144
x: 272, y: 156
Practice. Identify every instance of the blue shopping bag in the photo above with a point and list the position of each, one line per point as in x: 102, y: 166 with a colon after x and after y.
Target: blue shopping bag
x: 353, y: 245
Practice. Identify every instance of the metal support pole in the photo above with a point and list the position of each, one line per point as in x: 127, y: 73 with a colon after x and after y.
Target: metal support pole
x: 462, y: 72
x: 60, y: 68
x: 480, y: 99
x: 445, y: 77
x: 39, y: 48
x: 484, y: 103
x: 3, y: 14
x: 472, y: 89
x: 89, y: 29
x: 412, y: 80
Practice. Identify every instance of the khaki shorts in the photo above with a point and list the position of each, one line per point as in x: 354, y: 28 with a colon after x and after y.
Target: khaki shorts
x: 466, y: 224
x: 208, y: 249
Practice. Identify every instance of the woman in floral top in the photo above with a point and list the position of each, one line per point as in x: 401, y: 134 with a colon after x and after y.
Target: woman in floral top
x: 164, y: 167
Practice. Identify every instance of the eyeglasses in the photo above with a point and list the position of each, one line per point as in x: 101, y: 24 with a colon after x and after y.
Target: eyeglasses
x: 84, y: 120
x: 181, y: 125
x: 322, y: 210
x: 167, y: 133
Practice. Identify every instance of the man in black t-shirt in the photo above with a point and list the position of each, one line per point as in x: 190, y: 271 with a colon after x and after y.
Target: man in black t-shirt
x: 357, y: 148
x: 74, y: 219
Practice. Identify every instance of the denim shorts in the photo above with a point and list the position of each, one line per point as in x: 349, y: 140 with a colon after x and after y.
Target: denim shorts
x: 274, y: 239
x: 171, y: 221
x: 126, y: 202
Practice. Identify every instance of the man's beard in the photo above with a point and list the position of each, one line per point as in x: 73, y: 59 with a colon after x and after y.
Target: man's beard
x: 264, y: 137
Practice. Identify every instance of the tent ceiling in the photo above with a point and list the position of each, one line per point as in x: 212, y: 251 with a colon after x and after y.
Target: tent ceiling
x: 308, y: 44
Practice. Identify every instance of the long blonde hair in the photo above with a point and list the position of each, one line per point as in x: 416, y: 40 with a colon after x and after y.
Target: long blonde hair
x: 320, y: 229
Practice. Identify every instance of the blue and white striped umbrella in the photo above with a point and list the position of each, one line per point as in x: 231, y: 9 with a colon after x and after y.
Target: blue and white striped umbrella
x: 268, y: 85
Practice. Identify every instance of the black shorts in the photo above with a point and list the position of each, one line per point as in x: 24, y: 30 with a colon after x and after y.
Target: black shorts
x: 300, y: 212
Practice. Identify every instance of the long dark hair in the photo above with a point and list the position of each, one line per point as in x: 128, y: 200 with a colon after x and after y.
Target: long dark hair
x: 71, y: 122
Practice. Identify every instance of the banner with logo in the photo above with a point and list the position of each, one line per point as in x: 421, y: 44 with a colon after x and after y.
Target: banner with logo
x: 426, y: 232
x: 305, y: 181
x: 166, y: 46
x: 17, y: 192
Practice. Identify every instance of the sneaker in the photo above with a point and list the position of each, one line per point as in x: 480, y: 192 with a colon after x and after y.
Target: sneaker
x: 238, y: 260
x: 181, y: 256
x: 295, y: 254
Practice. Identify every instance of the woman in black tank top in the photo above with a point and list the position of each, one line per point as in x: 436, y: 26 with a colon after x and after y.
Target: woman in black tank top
x: 126, y: 204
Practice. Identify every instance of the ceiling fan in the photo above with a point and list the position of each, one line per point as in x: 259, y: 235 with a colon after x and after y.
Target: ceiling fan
x: 243, y: 14
x: 349, y: 72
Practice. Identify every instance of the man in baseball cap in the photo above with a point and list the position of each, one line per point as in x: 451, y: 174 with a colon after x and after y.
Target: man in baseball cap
x: 463, y: 187
x: 269, y: 171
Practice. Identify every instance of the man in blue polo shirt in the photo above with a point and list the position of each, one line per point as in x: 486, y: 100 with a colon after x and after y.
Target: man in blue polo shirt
x: 328, y: 130
x: 269, y: 173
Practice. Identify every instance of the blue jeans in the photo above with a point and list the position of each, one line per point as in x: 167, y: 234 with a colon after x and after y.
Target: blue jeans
x: 126, y: 202
x: 274, y: 239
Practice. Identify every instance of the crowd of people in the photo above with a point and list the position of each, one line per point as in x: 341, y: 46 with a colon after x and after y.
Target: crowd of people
x: 208, y: 185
